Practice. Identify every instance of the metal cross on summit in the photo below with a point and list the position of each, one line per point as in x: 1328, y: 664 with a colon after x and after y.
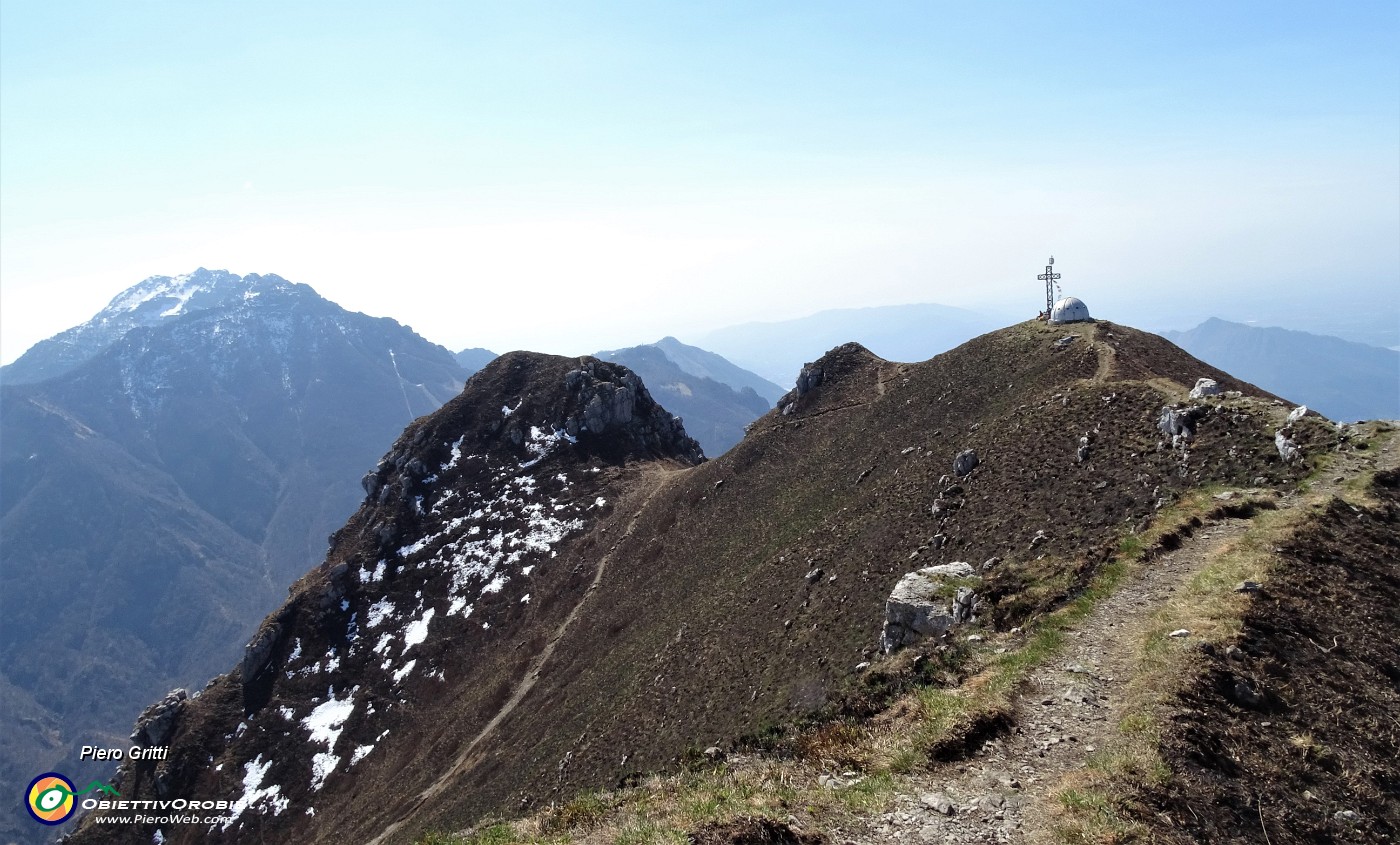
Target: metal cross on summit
x: 1049, y: 277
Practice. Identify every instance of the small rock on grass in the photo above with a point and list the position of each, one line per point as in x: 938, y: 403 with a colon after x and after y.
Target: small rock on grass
x: 1179, y: 633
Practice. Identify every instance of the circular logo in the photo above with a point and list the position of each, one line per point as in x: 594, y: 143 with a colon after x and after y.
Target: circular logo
x: 50, y: 798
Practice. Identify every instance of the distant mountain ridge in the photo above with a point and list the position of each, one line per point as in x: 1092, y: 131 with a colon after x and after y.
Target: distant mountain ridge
x: 915, y: 332
x: 171, y: 486
x: 716, y: 412
x: 1338, y: 378
x: 707, y: 364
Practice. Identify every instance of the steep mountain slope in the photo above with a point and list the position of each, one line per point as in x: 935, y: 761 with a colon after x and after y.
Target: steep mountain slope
x: 702, y: 362
x: 778, y: 350
x: 157, y: 499
x: 691, y: 607
x: 1340, y: 379
x: 715, y: 413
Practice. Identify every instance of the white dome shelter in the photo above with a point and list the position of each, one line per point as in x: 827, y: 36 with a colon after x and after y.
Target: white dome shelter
x: 1069, y: 310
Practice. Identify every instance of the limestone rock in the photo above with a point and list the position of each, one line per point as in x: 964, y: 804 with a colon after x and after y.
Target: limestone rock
x: 1287, y: 449
x: 1205, y: 387
x: 964, y: 604
x: 938, y: 802
x: 1297, y: 414
x: 258, y: 652
x: 921, y: 605
x: 1179, y: 422
x: 157, y: 723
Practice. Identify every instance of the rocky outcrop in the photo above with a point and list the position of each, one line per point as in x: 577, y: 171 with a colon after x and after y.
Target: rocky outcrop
x: 1205, y: 387
x: 600, y: 405
x: 1287, y: 449
x: 927, y: 603
x: 156, y: 724
x: 1180, y: 423
x: 809, y: 378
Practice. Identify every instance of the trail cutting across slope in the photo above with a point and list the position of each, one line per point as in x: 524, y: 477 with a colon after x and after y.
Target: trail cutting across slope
x: 654, y: 481
x: 1070, y: 707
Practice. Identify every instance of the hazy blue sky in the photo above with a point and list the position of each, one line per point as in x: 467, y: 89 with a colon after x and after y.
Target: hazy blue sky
x: 573, y: 176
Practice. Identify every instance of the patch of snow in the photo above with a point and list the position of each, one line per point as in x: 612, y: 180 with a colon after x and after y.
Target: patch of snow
x: 541, y: 443
x: 403, y: 673
x: 328, y: 719
x: 361, y: 752
x: 321, y: 767
x: 182, y: 295
x: 379, y: 611
x: 255, y: 794
x: 525, y: 599
x: 325, y: 724
x: 417, y: 630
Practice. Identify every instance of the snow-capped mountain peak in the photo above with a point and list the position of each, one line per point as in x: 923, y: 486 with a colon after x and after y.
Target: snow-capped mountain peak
x: 148, y: 303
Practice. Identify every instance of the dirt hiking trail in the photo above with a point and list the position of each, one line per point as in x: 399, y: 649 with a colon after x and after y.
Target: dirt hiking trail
x: 1071, y: 706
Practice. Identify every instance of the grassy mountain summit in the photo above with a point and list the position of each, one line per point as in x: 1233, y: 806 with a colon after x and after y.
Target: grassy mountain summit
x: 543, y: 593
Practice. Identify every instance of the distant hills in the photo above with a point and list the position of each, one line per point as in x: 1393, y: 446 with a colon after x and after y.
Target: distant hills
x: 777, y: 350
x: 1338, y: 378
x: 179, y: 461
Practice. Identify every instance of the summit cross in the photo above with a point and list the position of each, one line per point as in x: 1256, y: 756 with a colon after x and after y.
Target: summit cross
x: 1049, y: 277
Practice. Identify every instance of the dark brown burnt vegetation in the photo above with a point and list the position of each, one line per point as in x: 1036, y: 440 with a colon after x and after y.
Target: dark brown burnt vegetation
x: 1292, y: 734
